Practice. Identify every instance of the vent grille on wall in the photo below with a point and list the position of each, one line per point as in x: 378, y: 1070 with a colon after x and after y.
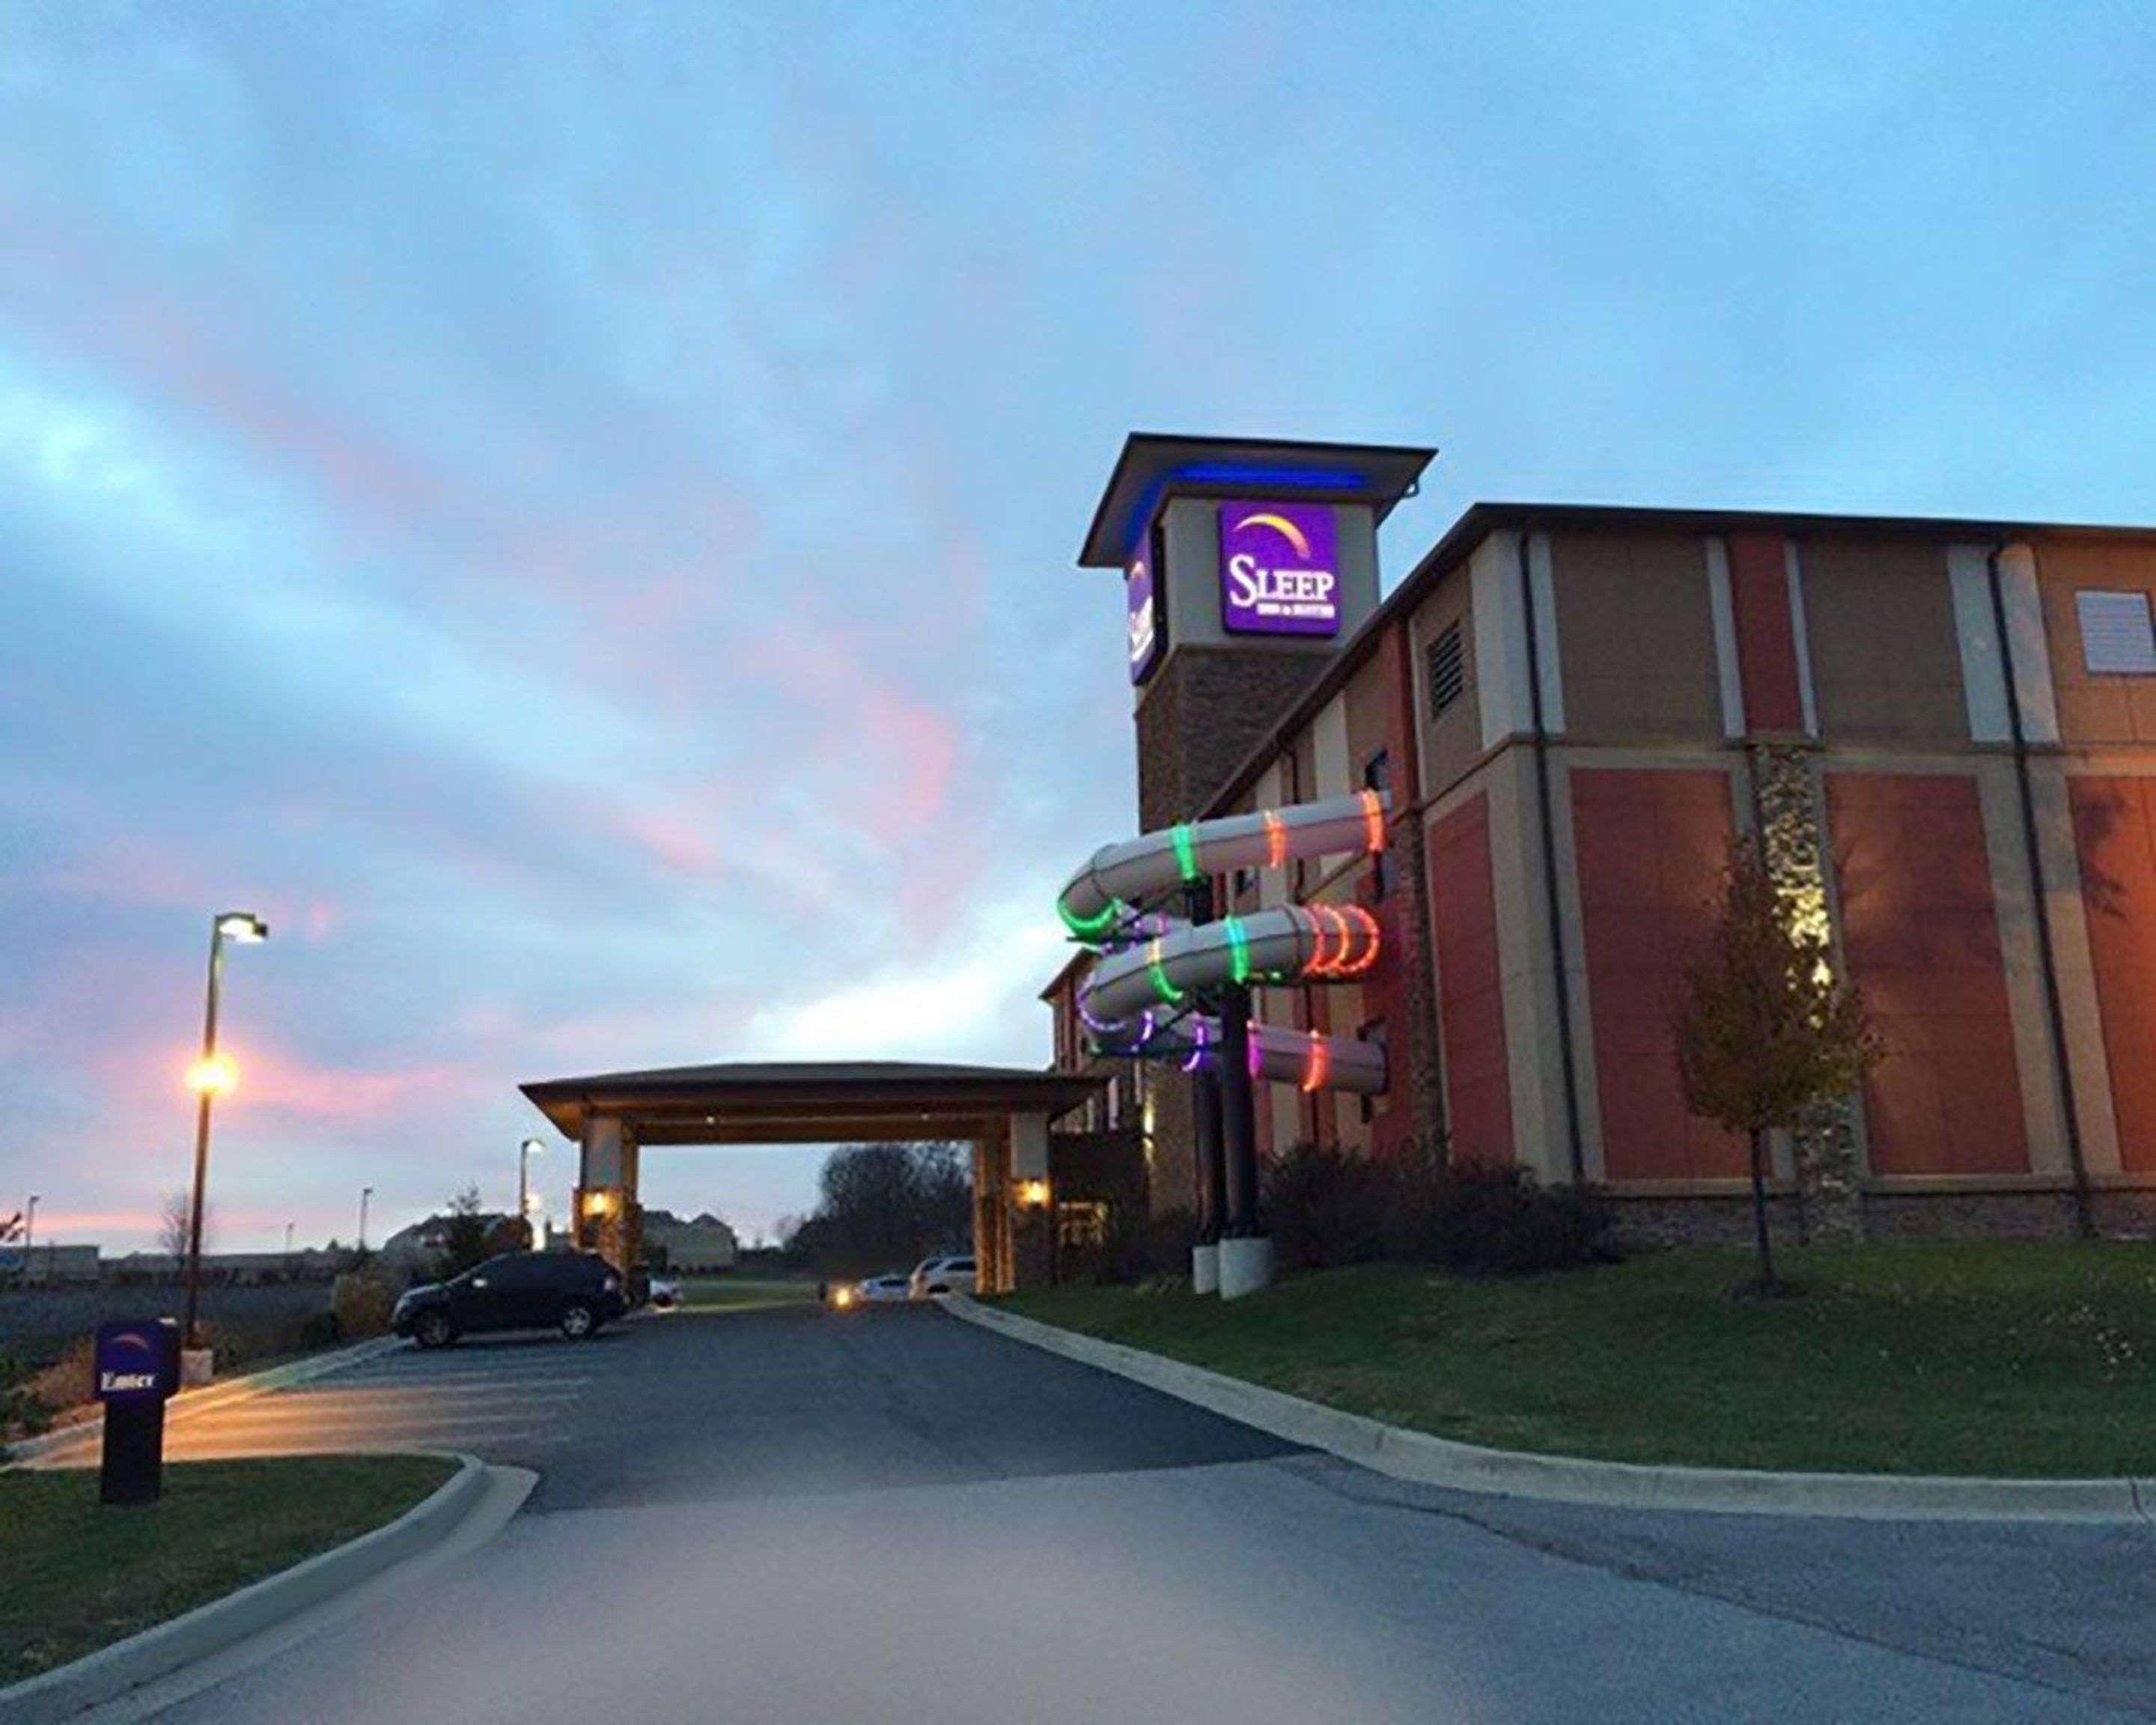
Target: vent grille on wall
x: 2117, y: 636
x: 1448, y: 669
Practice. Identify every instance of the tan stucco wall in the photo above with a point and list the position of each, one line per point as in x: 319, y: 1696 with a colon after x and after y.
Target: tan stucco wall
x: 2094, y: 709
x: 1886, y: 659
x: 1636, y: 632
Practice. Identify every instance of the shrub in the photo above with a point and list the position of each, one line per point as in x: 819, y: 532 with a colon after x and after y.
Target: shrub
x: 319, y: 1329
x: 23, y: 1411
x: 1498, y: 1221
x: 360, y: 1301
x: 1325, y: 1208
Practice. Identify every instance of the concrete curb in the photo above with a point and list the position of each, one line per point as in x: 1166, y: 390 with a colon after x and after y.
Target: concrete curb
x: 1424, y: 1460
x: 207, y: 1629
x: 190, y: 1403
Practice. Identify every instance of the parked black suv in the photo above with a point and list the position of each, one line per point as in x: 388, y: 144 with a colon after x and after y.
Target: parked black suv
x: 573, y: 1292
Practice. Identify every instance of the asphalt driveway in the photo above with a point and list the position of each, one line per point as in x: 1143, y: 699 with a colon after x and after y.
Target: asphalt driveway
x: 793, y: 1515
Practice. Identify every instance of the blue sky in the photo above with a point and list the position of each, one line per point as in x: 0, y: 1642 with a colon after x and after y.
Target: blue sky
x: 570, y: 511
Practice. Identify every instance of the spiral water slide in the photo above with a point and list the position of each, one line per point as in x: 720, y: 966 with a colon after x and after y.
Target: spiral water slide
x: 1140, y: 998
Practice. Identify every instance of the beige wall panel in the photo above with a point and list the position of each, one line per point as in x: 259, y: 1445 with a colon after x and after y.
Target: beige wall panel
x: 1886, y: 654
x: 1637, y: 623
x: 2094, y: 709
x: 1451, y: 741
x: 2042, y: 1104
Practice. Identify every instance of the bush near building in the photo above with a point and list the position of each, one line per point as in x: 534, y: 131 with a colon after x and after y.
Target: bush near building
x: 1326, y: 1207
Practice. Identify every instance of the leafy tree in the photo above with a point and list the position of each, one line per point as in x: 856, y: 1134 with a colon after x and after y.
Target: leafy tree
x: 885, y: 1205
x: 1767, y: 1032
x: 465, y: 1235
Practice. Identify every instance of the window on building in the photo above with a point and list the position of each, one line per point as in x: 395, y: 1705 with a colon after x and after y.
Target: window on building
x: 1377, y: 775
x: 1245, y: 879
x: 2118, y: 637
x: 1448, y: 669
x: 1373, y: 1031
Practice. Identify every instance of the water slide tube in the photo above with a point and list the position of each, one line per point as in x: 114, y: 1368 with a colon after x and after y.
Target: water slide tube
x: 1307, y: 1059
x: 1138, y: 999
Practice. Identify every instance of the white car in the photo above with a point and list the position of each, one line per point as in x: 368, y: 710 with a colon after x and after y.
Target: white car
x: 879, y: 1290
x: 942, y: 1276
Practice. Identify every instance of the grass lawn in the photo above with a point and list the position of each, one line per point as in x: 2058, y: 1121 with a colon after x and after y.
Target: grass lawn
x: 81, y: 1576
x: 2004, y: 1358
x: 734, y: 1293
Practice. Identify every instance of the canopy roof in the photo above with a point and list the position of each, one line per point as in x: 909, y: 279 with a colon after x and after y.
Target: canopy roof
x: 1153, y: 463
x: 807, y: 1102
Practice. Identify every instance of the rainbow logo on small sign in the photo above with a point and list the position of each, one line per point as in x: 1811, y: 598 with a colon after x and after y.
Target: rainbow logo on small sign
x: 1280, y: 569
x: 1143, y: 610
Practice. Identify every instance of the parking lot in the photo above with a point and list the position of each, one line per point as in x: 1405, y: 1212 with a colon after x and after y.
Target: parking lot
x: 834, y: 1516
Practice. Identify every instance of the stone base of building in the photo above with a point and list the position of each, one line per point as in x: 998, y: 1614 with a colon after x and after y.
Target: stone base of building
x: 1726, y: 1219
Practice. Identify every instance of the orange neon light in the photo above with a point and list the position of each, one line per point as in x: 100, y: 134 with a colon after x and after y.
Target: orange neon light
x: 1313, y: 1075
x: 1275, y: 841
x: 1368, y: 924
x: 1374, y: 824
x: 1321, y: 930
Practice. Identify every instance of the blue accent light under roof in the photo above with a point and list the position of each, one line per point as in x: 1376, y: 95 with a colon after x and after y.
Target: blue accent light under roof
x: 1236, y: 473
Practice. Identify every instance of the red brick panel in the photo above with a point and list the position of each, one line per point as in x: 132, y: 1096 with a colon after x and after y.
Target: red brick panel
x: 1470, y: 988
x: 1920, y: 932
x: 1650, y: 848
x: 2115, y: 835
x: 1766, y: 638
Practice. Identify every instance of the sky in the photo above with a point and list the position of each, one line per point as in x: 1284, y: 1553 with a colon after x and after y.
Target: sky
x: 571, y: 511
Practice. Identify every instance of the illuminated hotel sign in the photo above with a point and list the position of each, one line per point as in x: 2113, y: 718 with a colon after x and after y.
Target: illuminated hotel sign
x: 1144, y: 617
x: 1280, y: 569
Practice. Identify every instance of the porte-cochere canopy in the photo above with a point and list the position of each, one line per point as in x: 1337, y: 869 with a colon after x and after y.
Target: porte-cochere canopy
x: 1003, y: 1111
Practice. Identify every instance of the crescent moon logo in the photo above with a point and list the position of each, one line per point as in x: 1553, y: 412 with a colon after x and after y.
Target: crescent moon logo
x: 1280, y: 525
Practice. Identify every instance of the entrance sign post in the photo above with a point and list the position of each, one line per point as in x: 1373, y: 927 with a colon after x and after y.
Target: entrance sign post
x: 137, y: 1370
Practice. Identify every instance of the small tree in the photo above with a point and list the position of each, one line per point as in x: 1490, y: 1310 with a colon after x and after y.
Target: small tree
x: 464, y: 1239
x: 1766, y: 1031
x: 173, y: 1229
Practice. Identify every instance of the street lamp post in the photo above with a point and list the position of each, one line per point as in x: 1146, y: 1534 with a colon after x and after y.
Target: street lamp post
x: 364, y: 1193
x: 210, y: 1075
x: 524, y: 1152
x: 29, y: 1236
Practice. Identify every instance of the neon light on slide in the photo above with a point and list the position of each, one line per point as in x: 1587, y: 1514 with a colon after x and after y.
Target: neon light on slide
x: 1374, y: 824
x: 1313, y: 1074
x: 1275, y: 841
x: 1166, y: 990
x: 1239, y: 952
x: 1186, y: 853
x: 1086, y: 927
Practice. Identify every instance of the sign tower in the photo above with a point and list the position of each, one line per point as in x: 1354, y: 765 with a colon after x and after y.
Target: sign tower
x: 1247, y: 564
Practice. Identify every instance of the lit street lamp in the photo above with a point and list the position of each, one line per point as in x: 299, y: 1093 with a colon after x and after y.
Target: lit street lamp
x: 364, y: 1193
x: 524, y: 1152
x: 210, y: 1076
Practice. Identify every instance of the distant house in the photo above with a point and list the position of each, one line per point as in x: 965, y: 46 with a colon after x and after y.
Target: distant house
x: 419, y: 1247
x: 697, y: 1247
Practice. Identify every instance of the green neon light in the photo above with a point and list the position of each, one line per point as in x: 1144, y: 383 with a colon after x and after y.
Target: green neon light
x: 1085, y: 928
x: 1186, y: 853
x: 1238, y: 951
x: 1168, y: 992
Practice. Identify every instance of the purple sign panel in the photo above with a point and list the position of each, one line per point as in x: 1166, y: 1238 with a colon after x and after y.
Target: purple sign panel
x: 1144, y: 613
x: 138, y: 1362
x: 1280, y: 569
